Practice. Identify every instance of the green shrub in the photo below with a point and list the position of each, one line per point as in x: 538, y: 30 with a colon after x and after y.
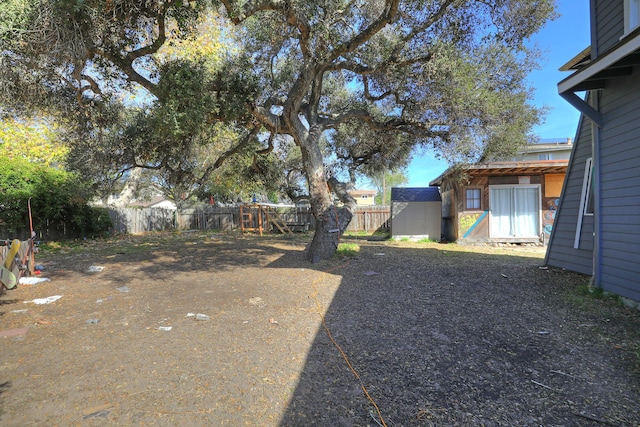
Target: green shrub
x: 59, y: 201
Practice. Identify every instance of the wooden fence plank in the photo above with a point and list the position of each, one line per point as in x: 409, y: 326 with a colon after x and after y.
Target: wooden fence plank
x: 140, y: 220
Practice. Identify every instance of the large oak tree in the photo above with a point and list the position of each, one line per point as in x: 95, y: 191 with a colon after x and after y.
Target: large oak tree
x: 367, y: 80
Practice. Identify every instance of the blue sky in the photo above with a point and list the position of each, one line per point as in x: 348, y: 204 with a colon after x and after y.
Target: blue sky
x: 560, y: 40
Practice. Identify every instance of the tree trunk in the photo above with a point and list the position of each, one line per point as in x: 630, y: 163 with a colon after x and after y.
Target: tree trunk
x: 331, y: 221
x: 130, y: 189
x: 330, y: 224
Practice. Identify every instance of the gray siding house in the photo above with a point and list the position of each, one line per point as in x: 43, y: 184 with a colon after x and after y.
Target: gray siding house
x: 597, y: 229
x: 416, y: 213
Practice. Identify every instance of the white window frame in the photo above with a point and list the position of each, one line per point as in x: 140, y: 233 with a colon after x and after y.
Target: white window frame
x: 631, y: 15
x: 584, y: 200
x: 587, y: 191
x: 466, y: 199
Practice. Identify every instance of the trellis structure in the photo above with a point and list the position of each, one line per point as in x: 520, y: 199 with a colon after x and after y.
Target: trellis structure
x: 258, y: 217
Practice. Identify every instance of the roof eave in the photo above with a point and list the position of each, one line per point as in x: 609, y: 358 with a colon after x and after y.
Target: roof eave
x: 608, y: 61
x: 508, y: 168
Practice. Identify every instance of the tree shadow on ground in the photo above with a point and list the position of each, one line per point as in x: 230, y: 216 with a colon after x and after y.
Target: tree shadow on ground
x: 442, y: 337
x: 159, y: 257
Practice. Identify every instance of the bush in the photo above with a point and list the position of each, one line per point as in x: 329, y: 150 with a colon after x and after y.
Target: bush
x: 59, y: 201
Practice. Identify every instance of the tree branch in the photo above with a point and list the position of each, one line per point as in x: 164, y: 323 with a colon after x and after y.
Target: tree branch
x: 342, y: 192
x: 125, y: 63
x: 429, y: 22
x: 272, y: 122
x: 386, y: 17
x: 242, y: 144
x: 368, y: 95
x: 416, y: 128
x: 269, y: 147
x: 250, y: 8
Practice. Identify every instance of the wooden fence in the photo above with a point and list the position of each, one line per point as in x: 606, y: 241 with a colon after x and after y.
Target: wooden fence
x: 134, y: 220
x: 139, y: 220
x: 208, y: 219
x: 370, y: 219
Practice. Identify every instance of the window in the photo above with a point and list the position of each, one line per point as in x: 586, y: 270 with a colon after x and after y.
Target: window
x: 546, y: 156
x: 586, y: 203
x: 631, y: 15
x: 473, y: 199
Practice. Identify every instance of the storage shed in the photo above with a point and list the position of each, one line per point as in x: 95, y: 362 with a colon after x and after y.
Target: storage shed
x: 416, y: 213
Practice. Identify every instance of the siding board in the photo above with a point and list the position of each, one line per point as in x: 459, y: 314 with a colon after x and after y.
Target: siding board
x: 619, y: 156
x: 621, y: 278
x: 620, y: 197
x: 610, y: 23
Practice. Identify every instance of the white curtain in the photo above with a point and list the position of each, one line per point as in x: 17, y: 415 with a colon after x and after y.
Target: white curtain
x: 501, y: 209
x: 515, y: 211
x: 526, y: 212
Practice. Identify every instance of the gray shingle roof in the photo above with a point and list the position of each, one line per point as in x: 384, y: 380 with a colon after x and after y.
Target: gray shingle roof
x: 418, y: 194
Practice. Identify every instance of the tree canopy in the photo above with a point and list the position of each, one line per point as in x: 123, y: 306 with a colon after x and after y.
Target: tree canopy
x: 36, y: 141
x: 368, y: 81
x: 384, y: 182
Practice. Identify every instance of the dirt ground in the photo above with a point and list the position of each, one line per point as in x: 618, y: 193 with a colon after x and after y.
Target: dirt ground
x: 414, y: 335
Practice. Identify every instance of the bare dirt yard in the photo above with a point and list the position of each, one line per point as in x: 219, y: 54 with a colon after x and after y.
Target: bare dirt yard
x: 413, y: 335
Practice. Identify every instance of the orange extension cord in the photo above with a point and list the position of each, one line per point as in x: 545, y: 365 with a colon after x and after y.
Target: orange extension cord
x: 344, y: 355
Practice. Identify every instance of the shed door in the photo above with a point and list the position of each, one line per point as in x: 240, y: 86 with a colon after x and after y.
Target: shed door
x: 515, y: 211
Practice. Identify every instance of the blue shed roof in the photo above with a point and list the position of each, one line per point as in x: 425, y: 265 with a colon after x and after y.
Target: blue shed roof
x: 419, y: 194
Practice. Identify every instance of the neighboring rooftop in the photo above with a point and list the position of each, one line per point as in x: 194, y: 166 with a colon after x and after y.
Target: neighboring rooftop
x: 558, y: 141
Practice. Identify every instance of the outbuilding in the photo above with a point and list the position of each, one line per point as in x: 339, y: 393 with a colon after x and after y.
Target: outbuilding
x: 501, y: 202
x: 416, y: 213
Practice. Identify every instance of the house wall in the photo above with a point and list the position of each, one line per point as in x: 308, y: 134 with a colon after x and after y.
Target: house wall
x: 365, y: 200
x: 610, y: 24
x: 418, y: 220
x: 472, y: 225
x: 165, y: 204
x: 364, y: 197
x: 620, y: 186
x: 613, y: 257
x: 552, y: 154
x: 449, y: 226
x: 561, y: 251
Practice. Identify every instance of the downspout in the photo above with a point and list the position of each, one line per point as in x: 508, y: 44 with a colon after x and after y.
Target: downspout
x: 596, y: 124
x: 595, y: 155
x: 597, y: 203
